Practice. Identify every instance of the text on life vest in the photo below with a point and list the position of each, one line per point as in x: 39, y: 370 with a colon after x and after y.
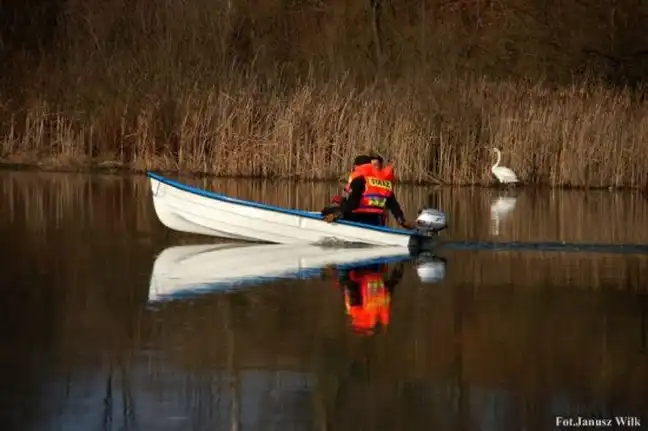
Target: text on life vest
x: 381, y: 184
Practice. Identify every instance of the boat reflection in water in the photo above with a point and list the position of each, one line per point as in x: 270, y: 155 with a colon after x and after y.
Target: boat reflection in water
x: 185, y: 271
x: 368, y: 275
x: 362, y: 272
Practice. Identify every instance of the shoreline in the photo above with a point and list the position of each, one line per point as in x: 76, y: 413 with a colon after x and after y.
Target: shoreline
x: 106, y: 167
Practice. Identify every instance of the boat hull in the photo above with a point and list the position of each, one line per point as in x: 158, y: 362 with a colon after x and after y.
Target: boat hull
x: 188, y: 209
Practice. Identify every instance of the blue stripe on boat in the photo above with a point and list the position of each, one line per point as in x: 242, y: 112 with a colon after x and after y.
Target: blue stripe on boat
x: 259, y: 205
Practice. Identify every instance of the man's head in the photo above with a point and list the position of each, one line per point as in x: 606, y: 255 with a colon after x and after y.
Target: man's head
x: 377, y: 161
x: 361, y: 160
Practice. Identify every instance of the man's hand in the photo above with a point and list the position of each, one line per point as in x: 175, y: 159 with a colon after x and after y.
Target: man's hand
x: 405, y: 224
x: 331, y: 217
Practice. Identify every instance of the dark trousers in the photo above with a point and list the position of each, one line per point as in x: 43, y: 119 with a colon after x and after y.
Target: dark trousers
x: 372, y: 219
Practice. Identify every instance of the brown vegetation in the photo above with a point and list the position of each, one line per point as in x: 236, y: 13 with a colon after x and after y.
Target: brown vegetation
x: 296, y: 88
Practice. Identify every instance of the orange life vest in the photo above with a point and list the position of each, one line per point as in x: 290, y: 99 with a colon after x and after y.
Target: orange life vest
x: 366, y: 169
x: 358, y: 171
x: 389, y: 171
x: 376, y: 302
x: 378, y: 187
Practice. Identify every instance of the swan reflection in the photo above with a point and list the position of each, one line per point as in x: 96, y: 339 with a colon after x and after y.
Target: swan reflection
x: 501, y: 208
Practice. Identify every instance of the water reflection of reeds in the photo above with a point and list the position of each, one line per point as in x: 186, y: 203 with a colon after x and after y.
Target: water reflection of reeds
x: 537, y: 343
x: 541, y: 334
x: 123, y: 204
x: 549, y: 271
x: 41, y: 202
x: 533, y: 324
x: 533, y: 337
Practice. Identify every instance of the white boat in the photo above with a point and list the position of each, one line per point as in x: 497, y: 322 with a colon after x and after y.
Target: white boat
x: 184, y: 271
x: 188, y: 209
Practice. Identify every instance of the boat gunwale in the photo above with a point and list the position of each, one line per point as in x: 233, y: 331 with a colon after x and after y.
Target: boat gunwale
x: 259, y: 205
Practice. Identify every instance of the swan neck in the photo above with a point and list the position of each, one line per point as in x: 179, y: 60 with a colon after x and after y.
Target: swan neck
x: 499, y: 158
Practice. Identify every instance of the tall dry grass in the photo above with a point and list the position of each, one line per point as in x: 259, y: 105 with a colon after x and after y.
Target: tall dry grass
x: 296, y: 89
x: 437, y: 133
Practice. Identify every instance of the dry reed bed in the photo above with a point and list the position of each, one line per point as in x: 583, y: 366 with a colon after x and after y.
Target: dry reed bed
x: 433, y: 130
x: 123, y: 204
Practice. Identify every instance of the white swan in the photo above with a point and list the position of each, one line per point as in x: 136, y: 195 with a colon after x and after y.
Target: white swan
x: 502, y: 173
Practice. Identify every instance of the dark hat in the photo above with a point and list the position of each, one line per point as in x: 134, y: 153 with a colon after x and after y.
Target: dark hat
x: 361, y: 160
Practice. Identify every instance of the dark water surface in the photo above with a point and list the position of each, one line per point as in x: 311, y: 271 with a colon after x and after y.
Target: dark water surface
x: 498, y: 341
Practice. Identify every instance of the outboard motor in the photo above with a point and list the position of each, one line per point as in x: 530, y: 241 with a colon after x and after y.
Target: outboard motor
x: 430, y: 222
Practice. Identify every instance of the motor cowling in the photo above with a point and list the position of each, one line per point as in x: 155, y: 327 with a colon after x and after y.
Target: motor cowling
x: 430, y: 222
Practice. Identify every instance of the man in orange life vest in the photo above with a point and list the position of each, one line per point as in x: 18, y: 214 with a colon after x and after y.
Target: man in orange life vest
x: 367, y: 295
x: 376, y: 161
x: 337, y: 200
x: 370, y: 195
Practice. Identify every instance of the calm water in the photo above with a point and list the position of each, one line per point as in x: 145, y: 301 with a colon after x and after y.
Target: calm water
x: 497, y: 341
